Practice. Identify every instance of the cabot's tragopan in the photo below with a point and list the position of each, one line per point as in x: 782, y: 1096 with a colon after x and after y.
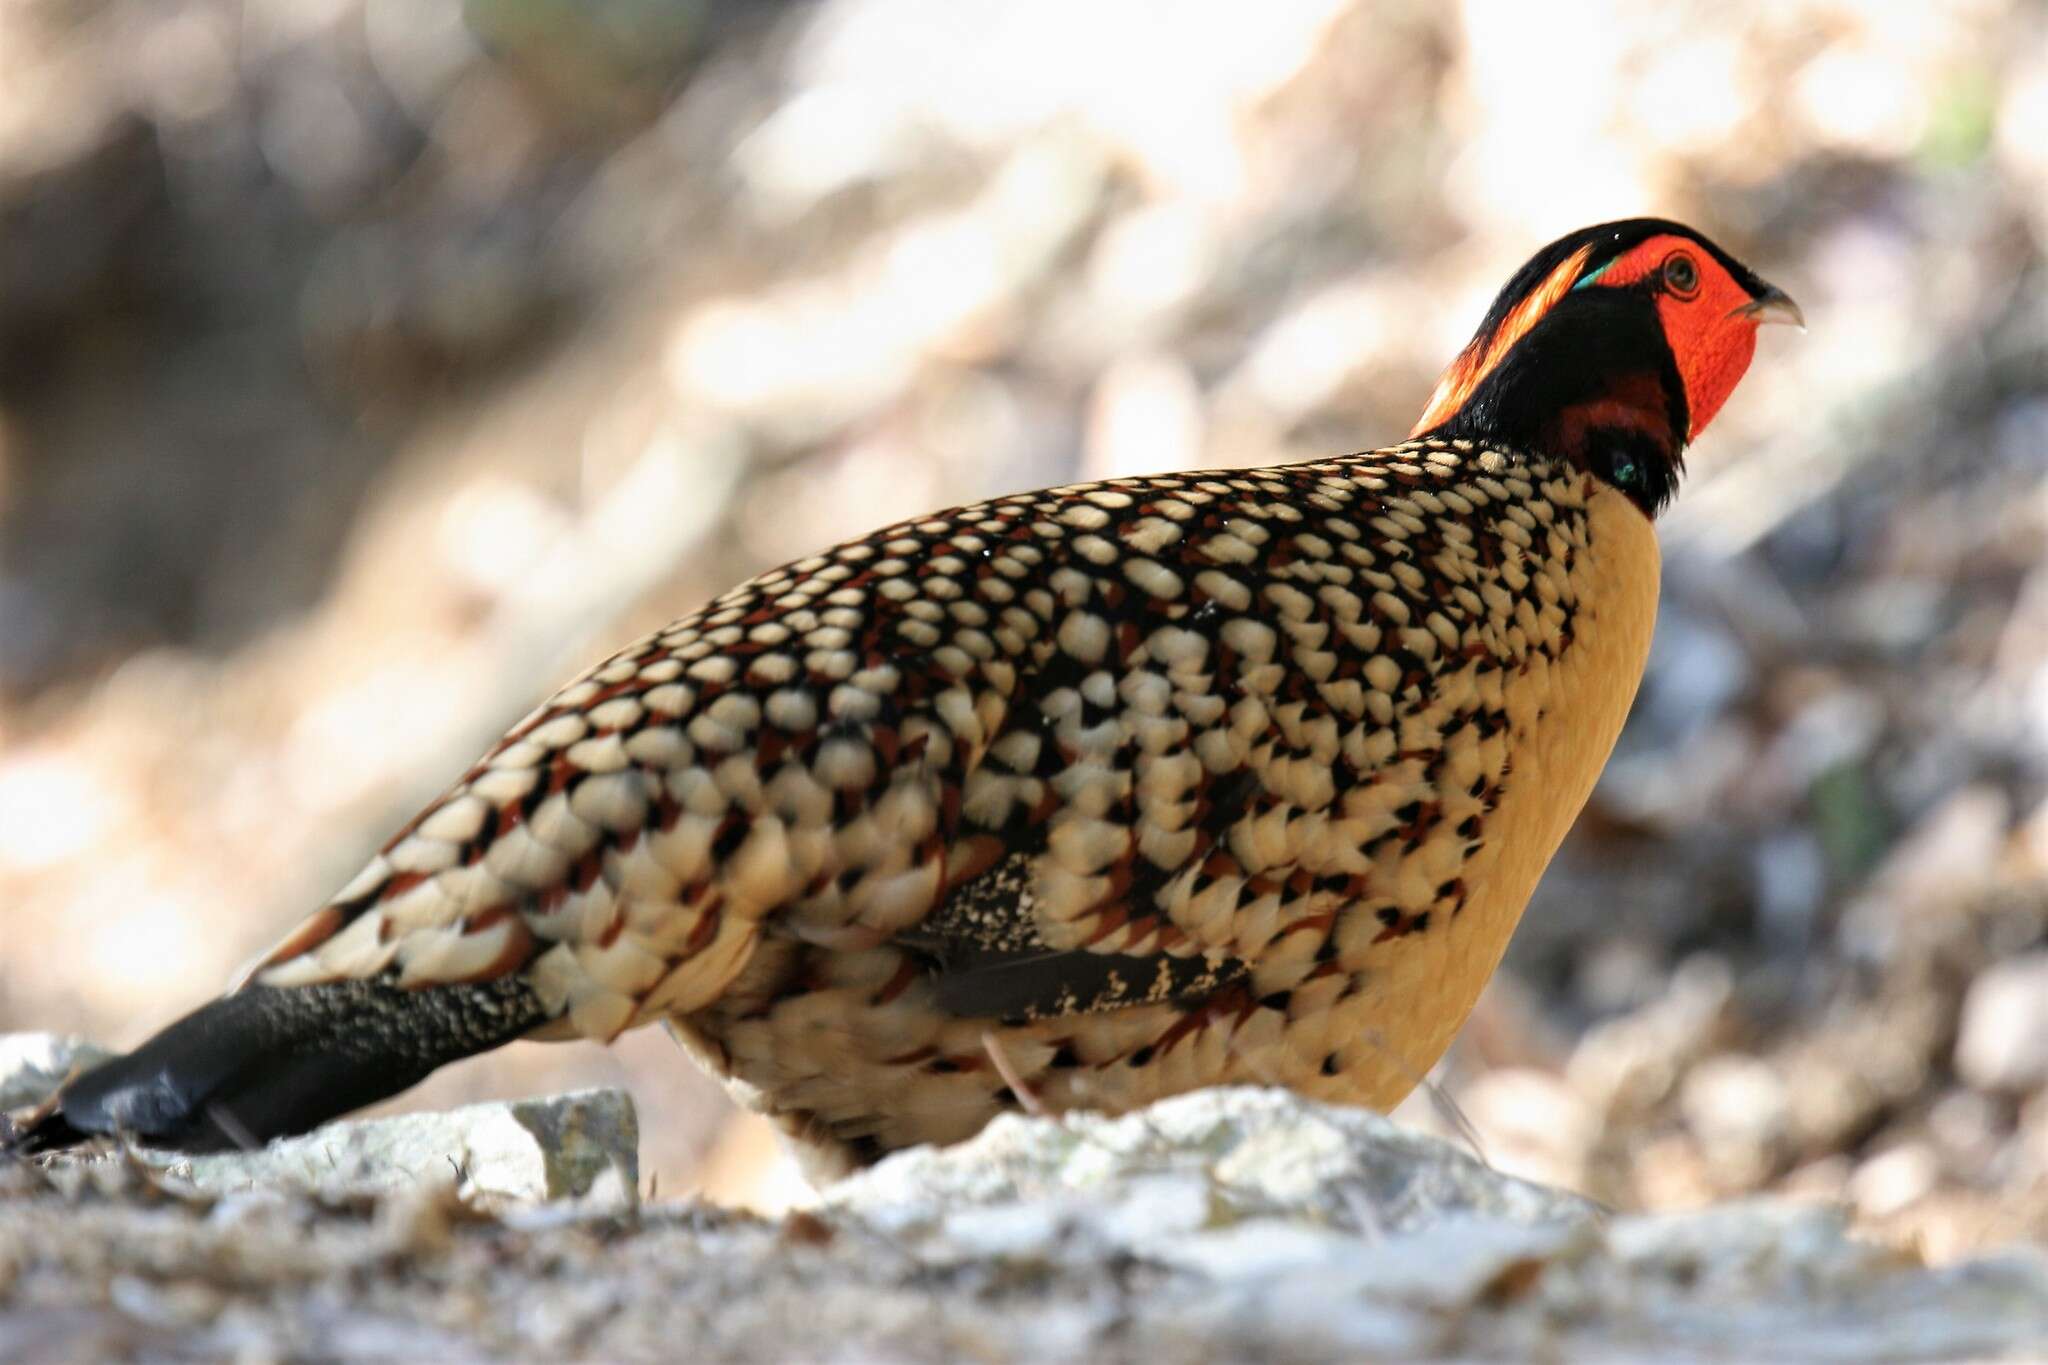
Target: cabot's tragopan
x: 1105, y: 792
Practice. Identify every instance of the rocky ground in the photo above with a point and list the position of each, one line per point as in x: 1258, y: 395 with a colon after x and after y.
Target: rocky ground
x: 1230, y: 1225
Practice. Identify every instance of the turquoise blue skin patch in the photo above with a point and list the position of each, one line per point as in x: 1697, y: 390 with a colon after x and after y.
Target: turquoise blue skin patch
x: 1595, y: 275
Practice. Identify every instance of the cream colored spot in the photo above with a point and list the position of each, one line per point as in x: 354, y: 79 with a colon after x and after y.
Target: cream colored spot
x: 717, y: 670
x: 1153, y: 579
x: 620, y: 713
x: 829, y: 637
x: 659, y: 746
x: 792, y: 710
x: 577, y: 693
x: 554, y: 825
x: 601, y: 755
x: 670, y: 699
x: 616, y: 801
x: 1085, y: 636
x: 560, y: 732
x: 713, y: 736
x: 1291, y: 602
x: 831, y: 663
x: 771, y: 669
x: 1095, y: 550
x: 1225, y: 548
x: 853, y: 704
x: 1253, y: 640
x: 845, y: 763
x: 421, y: 855
x: 1228, y: 592
x: 518, y: 858
x: 1085, y: 847
x: 1150, y: 535
x: 455, y: 821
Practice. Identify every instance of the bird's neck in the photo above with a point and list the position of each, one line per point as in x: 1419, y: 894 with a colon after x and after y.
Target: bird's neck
x: 1597, y: 392
x: 1624, y: 434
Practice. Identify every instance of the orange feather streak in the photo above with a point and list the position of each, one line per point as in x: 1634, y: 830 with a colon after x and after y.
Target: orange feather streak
x: 1477, y: 360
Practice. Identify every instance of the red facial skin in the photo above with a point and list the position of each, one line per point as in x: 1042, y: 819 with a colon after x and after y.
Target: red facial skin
x: 1711, y: 335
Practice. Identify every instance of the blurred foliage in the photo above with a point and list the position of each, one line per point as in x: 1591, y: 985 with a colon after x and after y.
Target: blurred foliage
x: 367, y: 365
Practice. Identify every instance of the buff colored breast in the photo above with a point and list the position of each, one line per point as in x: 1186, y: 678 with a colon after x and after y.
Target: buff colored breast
x: 1565, y: 718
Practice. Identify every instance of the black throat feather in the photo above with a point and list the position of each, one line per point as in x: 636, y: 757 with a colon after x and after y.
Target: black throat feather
x: 1594, y: 383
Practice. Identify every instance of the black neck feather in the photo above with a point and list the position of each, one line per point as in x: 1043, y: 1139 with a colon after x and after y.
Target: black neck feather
x: 1593, y: 383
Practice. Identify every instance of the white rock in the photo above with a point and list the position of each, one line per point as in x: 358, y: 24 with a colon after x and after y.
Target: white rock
x: 33, y: 1065
x: 1235, y: 1153
x: 575, y: 1146
x: 1628, y: 1063
x: 1737, y: 1107
x: 1893, y: 1180
x: 1260, y: 1248
x: 1274, y: 1227
x: 1223, y: 1225
x: 1941, y: 863
x: 583, y: 1145
x: 1532, y: 1123
x: 2002, y: 1043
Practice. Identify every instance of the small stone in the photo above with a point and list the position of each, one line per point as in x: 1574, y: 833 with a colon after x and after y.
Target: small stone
x: 1670, y: 1173
x: 2031, y: 1127
x: 1821, y: 1181
x: 1627, y: 1064
x: 1888, y: 1183
x: 1967, y: 1127
x: 33, y: 1065
x: 1531, y: 1123
x: 1252, y: 1150
x: 2002, y: 1043
x: 1939, y: 865
x: 1018, y: 1232
x: 1830, y: 1098
x: 1452, y: 1265
x: 1257, y: 1248
x: 574, y: 1146
x: 1736, y: 1106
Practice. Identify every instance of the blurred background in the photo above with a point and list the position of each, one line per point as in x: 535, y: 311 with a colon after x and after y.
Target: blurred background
x: 368, y: 366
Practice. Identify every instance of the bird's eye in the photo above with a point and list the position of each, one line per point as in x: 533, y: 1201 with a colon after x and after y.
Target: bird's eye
x: 1681, y: 276
x: 1625, y: 471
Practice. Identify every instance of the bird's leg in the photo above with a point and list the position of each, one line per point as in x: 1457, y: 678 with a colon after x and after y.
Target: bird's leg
x: 237, y: 1132
x: 1027, y: 1098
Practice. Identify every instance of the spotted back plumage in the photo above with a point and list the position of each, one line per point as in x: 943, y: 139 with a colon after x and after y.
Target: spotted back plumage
x: 1104, y: 777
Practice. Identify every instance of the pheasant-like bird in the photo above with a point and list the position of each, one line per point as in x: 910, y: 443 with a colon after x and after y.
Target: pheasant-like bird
x: 1103, y: 793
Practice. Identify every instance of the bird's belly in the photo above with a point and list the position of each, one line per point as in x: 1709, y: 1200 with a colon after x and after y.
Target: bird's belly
x: 1564, y: 717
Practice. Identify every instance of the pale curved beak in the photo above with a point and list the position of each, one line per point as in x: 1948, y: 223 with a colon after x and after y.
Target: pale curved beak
x: 1773, y: 305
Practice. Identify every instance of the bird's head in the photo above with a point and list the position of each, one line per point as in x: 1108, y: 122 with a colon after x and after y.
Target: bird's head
x: 1612, y: 348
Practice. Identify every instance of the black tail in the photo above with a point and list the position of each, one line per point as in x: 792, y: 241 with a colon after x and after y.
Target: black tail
x: 266, y: 1062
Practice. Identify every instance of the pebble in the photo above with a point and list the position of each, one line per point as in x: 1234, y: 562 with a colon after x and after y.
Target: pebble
x: 2002, y: 1043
